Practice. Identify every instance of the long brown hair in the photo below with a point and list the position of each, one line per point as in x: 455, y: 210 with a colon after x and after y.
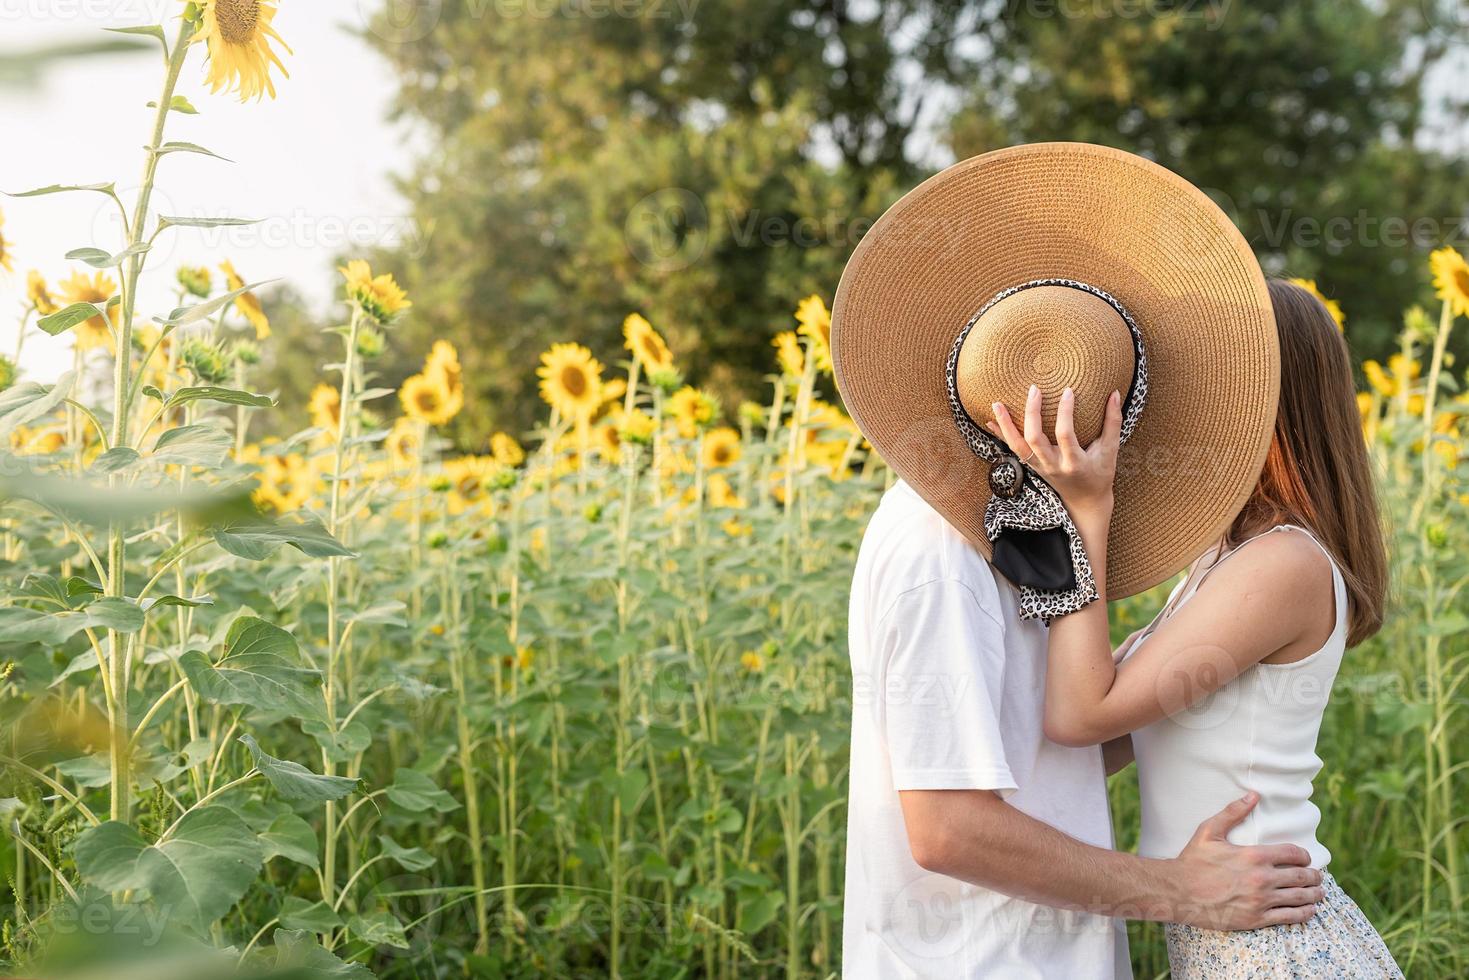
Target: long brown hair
x: 1317, y: 473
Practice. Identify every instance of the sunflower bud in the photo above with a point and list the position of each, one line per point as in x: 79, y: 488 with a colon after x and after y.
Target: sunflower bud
x: 7, y: 372
x: 592, y: 513
x: 752, y: 414
x: 1419, y: 324
x: 666, y: 380
x: 246, y: 352
x: 438, y: 540
x: 204, y: 360
x: 370, y: 343
x: 195, y: 280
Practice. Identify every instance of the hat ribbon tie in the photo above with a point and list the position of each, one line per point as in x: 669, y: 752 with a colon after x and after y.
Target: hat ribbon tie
x: 1034, y: 542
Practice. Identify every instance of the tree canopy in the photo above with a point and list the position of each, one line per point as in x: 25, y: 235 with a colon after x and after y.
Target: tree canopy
x: 708, y: 164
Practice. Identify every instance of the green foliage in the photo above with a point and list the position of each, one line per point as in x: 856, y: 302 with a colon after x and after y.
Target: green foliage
x: 699, y: 167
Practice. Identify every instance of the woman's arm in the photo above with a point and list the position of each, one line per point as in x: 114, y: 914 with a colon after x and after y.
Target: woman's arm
x: 1249, y: 608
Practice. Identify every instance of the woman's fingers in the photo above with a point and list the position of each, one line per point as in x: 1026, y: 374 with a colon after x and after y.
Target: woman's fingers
x: 1035, y: 433
x: 1111, y: 435
x: 1066, y: 426
x: 1008, y: 432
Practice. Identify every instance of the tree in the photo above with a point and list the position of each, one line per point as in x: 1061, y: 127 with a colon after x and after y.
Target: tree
x: 708, y: 165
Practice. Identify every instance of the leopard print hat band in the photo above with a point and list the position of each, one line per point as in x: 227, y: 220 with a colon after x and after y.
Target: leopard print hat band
x: 1035, y: 544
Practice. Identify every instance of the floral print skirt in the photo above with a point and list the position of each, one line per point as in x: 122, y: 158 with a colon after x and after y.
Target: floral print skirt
x: 1338, y: 943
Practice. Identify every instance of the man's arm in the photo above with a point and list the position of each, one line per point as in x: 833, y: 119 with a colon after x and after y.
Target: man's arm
x: 976, y: 837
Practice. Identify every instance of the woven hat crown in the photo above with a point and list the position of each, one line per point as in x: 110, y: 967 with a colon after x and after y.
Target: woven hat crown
x: 1053, y: 337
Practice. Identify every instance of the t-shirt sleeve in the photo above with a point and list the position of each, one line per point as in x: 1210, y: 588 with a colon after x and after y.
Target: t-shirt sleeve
x: 945, y: 672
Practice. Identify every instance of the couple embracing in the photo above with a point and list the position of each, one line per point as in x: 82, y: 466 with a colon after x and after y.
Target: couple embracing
x: 1072, y: 361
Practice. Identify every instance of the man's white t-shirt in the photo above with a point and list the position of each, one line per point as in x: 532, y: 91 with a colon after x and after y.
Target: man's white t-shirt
x: 948, y: 687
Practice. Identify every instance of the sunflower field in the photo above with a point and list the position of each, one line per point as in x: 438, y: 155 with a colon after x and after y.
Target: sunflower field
x: 354, y: 703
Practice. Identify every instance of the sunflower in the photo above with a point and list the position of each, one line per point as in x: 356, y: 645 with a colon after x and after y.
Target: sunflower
x: 247, y: 303
x: 379, y: 296
x: 788, y: 353
x: 646, y: 346
x: 571, y: 380
x: 98, y: 288
x: 736, y: 528
x: 326, y: 408
x: 612, y: 390
x: 39, y: 294
x: 721, y: 494
x: 29, y: 442
x: 752, y: 661
x: 506, y: 450
x: 1451, y: 279
x: 721, y: 447
x: 5, y: 259
x: 1377, y: 378
x: 815, y: 326
x: 691, y: 409
x: 637, y: 426
x: 428, y: 397
x: 404, y: 443
x: 607, y: 440
x: 1332, y: 306
x: 444, y: 359
x: 470, y: 480
x: 286, y: 482
x: 238, y: 35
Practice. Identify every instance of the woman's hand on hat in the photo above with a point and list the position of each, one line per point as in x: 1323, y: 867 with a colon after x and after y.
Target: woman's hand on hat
x: 1083, y: 477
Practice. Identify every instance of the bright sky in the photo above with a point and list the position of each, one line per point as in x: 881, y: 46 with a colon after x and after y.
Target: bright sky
x: 314, y: 163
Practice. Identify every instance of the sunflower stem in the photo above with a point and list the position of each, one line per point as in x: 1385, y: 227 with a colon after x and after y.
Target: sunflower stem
x: 117, y: 706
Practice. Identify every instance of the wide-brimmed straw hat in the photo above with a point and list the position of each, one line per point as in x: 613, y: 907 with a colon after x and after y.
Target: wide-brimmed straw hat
x: 1064, y: 264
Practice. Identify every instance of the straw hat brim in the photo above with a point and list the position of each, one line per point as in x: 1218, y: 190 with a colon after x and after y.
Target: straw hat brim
x: 1104, y: 217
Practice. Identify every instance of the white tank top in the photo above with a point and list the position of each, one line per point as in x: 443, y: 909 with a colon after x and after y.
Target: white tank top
x: 1258, y: 732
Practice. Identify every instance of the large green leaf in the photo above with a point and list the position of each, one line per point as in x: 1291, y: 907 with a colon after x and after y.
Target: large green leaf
x: 295, y: 950
x: 411, y: 858
x: 290, y: 837
x: 64, y: 319
x: 178, y: 146
x: 195, y: 876
x: 185, y: 315
x: 27, y: 401
x: 413, y: 790
x: 294, y: 781
x: 19, y: 624
x: 178, y: 221
x: 380, y: 928
x: 297, y: 913
x: 115, y: 460
x: 251, y: 634
x: 99, y: 259
x: 261, y: 668
x: 257, y: 540
x: 63, y: 188
x: 193, y: 445
x: 214, y: 393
